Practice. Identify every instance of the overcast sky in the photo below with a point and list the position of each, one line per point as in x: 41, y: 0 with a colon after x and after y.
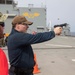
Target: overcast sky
x: 62, y: 9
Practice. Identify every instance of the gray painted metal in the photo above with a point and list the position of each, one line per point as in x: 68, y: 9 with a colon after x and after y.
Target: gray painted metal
x: 36, y: 15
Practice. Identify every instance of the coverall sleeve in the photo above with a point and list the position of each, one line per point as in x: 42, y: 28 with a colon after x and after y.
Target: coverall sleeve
x: 26, y: 38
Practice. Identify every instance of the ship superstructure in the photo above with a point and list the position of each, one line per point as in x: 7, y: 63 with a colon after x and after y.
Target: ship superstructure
x: 34, y: 14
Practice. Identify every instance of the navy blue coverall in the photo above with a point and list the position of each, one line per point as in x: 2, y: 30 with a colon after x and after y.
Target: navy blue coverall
x: 19, y: 47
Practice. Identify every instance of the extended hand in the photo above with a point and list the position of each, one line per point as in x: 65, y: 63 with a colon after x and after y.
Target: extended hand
x: 58, y: 30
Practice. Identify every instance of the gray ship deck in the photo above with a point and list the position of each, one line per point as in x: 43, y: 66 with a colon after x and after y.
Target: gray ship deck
x: 55, y: 57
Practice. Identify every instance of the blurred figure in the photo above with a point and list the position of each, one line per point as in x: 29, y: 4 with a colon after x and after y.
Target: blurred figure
x: 1, y: 30
x: 3, y: 59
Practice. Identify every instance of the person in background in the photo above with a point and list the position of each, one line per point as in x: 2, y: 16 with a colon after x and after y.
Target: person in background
x: 21, y: 56
x: 2, y: 30
x: 3, y: 58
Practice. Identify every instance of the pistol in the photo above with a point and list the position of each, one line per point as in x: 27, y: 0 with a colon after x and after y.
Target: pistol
x: 60, y: 25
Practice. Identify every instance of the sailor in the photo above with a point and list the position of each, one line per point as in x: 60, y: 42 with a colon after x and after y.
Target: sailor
x: 19, y: 43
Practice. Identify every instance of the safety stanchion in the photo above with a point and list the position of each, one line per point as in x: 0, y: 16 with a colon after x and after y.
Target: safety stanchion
x: 36, y: 70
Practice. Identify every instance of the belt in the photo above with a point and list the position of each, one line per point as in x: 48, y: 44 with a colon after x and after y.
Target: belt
x: 20, y: 70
